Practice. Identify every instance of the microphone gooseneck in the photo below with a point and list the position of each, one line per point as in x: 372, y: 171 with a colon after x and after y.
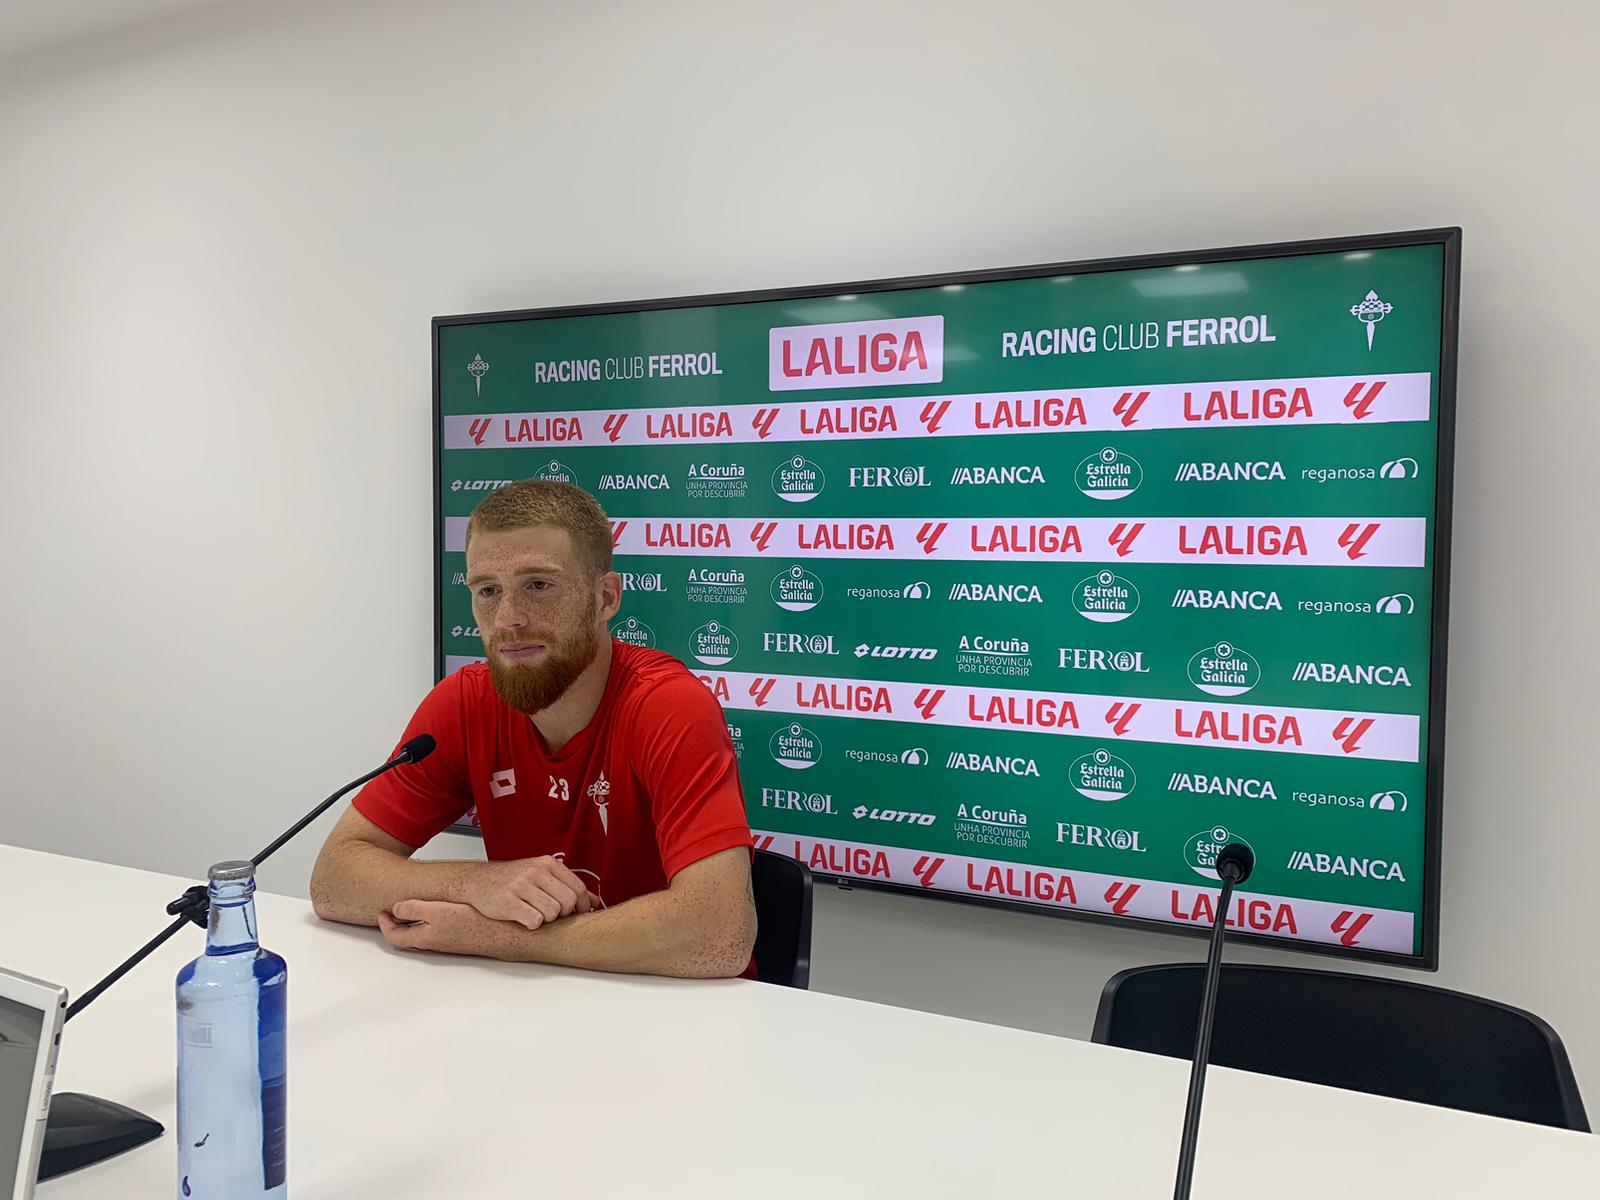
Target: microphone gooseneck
x: 193, y: 906
x: 1234, y: 863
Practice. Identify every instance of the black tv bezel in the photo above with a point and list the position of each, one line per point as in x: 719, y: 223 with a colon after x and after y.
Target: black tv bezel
x: 1448, y: 238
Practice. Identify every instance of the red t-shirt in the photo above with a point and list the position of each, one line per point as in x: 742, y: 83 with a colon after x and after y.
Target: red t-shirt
x: 650, y: 786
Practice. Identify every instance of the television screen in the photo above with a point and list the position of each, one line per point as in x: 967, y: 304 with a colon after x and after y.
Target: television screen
x: 1031, y: 587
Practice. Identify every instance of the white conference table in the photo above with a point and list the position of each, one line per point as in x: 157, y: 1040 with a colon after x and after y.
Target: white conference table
x: 415, y: 1075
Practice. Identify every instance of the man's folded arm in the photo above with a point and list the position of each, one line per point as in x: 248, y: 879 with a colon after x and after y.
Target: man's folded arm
x: 363, y: 871
x: 702, y: 926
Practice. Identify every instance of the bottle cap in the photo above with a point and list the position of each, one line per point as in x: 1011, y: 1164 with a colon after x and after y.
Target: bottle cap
x: 231, y: 871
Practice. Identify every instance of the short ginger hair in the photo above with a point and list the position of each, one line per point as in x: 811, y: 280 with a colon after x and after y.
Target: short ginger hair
x: 531, y: 502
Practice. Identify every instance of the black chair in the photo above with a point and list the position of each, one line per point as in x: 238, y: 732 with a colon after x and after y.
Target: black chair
x: 1359, y: 1032
x: 782, y: 890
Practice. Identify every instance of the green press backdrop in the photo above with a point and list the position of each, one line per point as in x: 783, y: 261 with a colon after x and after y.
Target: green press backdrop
x: 1031, y: 588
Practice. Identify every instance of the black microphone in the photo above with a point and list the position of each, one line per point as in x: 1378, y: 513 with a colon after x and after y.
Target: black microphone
x: 85, y: 1129
x: 194, y: 905
x: 1235, y: 861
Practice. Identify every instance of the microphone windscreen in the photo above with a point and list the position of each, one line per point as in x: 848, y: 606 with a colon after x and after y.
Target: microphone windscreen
x: 1236, y: 859
x: 419, y: 747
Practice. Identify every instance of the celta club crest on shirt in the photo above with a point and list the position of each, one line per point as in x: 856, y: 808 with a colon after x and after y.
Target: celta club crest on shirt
x: 600, y: 792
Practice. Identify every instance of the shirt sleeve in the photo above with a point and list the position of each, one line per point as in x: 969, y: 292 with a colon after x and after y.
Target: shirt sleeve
x: 415, y: 801
x: 690, y: 773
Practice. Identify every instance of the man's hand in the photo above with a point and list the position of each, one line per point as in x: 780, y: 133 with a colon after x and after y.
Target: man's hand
x: 528, y: 891
x: 435, y: 925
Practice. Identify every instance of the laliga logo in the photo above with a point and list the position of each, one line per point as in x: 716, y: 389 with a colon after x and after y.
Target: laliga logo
x: 477, y: 367
x: 1128, y: 405
x: 1358, y: 401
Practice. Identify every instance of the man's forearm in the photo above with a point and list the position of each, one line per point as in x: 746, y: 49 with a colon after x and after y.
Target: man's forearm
x: 354, y: 882
x: 659, y: 934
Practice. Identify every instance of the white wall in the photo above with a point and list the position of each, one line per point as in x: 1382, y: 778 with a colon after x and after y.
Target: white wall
x: 221, y: 239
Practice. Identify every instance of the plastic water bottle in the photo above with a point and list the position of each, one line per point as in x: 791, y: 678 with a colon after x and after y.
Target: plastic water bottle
x: 232, y: 1062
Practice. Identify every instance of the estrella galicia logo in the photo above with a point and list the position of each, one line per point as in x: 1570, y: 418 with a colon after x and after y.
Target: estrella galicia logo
x: 797, y: 590
x: 798, y: 480
x: 1108, y: 475
x: 1105, y: 597
x: 1102, y: 776
x: 1201, y: 851
x: 796, y: 747
x: 634, y: 632
x: 1224, y: 670
x: 556, y: 472
x: 714, y: 644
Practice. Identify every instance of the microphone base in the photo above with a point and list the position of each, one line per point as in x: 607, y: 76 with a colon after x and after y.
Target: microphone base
x: 86, y: 1129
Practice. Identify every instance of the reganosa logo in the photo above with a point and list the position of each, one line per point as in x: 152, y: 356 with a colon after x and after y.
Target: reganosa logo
x: 1390, y: 801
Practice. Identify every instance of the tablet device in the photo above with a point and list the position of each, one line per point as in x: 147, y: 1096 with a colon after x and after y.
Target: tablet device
x: 31, y: 1013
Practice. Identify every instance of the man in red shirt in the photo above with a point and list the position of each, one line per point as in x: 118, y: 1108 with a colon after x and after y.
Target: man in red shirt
x: 603, y: 775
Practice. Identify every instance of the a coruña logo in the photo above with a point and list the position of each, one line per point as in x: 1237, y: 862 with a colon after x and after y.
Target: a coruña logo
x: 796, y: 747
x: 556, y: 472
x: 798, y: 480
x: 797, y: 590
x: 1102, y: 776
x: 1224, y: 670
x: 1108, y: 475
x: 713, y: 644
x: 1105, y: 597
x: 1201, y: 851
x: 715, y: 585
x: 634, y: 632
x: 716, y: 481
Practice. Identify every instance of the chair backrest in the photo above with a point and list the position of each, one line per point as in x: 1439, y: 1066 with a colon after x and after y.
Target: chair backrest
x: 1386, y: 1036
x: 782, y: 890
